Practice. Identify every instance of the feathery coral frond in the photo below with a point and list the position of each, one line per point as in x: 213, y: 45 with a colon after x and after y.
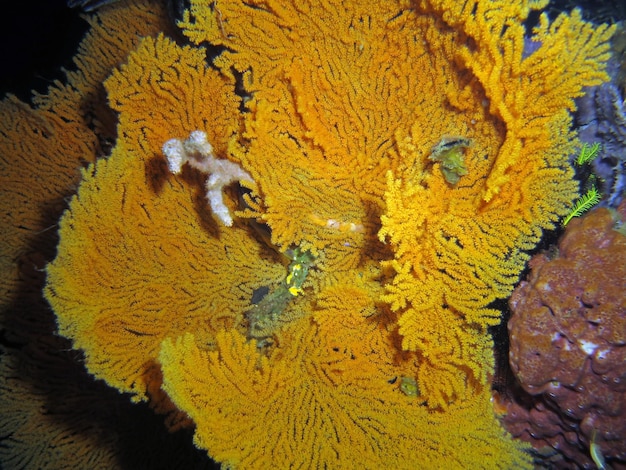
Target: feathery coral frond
x: 588, y: 153
x: 321, y: 388
x: 583, y: 204
x: 165, y: 91
x: 148, y: 260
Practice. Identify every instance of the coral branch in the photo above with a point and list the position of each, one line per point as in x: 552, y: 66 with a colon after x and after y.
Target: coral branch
x: 198, y: 153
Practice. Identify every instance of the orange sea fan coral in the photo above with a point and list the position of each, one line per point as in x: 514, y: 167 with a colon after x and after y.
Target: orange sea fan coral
x: 343, y: 106
x: 42, y: 431
x: 54, y: 415
x: 26, y: 136
x: 43, y: 146
x: 125, y: 169
x: 459, y: 247
x: 320, y: 391
x: 344, y: 79
x: 166, y: 91
x: 162, y: 272
x: 413, y: 75
x: 132, y: 194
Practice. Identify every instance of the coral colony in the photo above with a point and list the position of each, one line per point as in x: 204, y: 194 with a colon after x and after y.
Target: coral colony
x: 400, y: 160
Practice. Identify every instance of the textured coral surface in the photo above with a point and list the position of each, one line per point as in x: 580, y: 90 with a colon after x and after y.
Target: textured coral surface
x: 341, y: 112
x: 568, y: 343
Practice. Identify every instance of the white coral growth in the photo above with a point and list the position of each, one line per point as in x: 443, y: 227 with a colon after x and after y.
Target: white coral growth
x: 198, y: 153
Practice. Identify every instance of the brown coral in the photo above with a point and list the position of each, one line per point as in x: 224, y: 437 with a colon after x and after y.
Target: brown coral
x: 568, y: 342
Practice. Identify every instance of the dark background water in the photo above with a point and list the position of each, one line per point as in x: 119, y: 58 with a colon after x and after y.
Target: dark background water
x: 37, y: 38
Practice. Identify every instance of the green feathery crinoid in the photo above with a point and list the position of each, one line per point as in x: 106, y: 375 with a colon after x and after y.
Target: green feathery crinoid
x: 583, y: 204
x: 588, y: 153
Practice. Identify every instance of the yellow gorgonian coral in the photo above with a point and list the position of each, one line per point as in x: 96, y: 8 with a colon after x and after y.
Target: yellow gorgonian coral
x: 416, y: 134
x: 472, y: 235
x: 160, y: 244
x: 325, y: 400
x: 368, y: 90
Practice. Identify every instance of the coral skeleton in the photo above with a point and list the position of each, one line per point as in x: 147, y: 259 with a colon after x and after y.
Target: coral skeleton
x: 198, y: 153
